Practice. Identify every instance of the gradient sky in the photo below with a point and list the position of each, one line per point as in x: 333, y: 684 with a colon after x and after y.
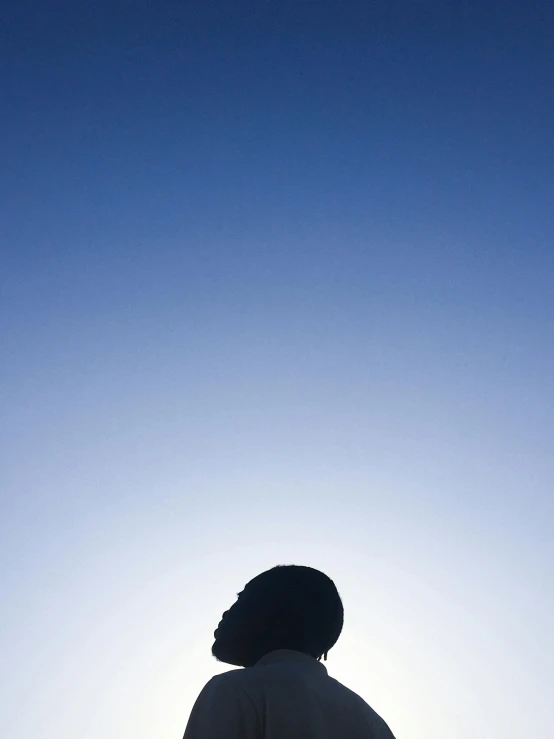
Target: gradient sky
x: 277, y: 286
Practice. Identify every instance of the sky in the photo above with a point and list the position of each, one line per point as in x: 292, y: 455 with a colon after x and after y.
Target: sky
x: 276, y: 288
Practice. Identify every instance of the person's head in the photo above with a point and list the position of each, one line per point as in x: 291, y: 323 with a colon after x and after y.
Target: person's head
x: 287, y: 607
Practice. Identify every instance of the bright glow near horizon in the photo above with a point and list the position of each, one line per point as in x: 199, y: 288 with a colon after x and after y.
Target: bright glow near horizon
x: 255, y: 317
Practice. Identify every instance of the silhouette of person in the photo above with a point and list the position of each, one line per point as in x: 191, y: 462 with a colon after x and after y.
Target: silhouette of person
x: 282, y: 624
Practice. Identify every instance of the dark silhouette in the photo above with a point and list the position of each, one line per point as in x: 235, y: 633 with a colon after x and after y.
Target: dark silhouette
x: 282, y: 624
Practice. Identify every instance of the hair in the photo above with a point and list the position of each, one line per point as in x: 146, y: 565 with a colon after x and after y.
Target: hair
x: 303, y: 606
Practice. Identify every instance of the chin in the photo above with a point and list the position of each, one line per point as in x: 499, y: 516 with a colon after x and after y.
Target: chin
x: 226, y: 654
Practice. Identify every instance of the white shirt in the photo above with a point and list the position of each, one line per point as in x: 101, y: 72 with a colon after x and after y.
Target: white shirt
x: 286, y: 695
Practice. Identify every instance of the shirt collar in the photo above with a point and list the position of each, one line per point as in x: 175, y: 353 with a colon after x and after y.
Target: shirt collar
x: 290, y: 655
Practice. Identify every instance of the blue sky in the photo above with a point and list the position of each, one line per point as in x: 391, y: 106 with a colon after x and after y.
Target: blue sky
x: 277, y: 287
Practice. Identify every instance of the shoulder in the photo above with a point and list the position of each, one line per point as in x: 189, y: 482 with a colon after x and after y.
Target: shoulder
x: 234, y: 684
x: 225, y: 682
x: 363, y: 709
x: 226, y: 678
x: 225, y: 694
x: 222, y: 709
